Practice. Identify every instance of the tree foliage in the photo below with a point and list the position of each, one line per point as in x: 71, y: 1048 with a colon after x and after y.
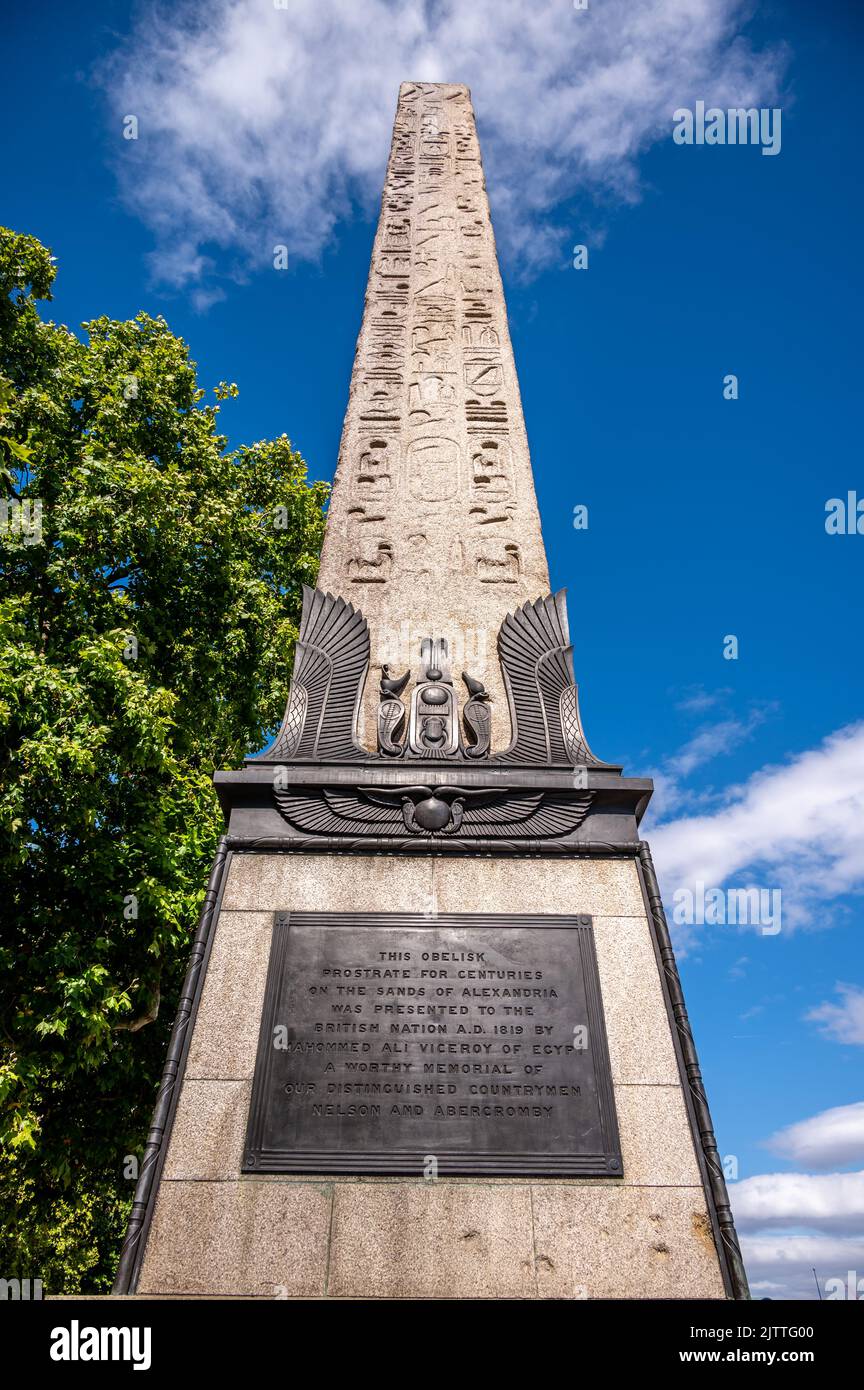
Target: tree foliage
x: 147, y: 624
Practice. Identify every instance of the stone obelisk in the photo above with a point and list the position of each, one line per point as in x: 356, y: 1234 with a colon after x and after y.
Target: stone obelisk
x: 432, y: 1041
x: 433, y: 524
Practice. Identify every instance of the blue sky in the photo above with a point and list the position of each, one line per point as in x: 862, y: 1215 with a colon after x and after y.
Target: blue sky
x: 706, y: 516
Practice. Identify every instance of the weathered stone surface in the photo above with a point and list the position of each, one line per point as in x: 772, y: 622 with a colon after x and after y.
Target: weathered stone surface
x: 637, y: 1024
x: 433, y: 527
x: 328, y: 883
x: 603, y: 887
x: 225, y: 1038
x: 431, y: 1240
x: 603, y: 1242
x: 208, y: 1131
x: 258, y: 1238
x: 656, y: 1143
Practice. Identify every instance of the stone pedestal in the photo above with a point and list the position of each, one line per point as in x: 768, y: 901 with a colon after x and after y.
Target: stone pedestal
x: 217, y: 1231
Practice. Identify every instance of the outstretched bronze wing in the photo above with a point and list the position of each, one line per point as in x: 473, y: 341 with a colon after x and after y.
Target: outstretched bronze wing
x: 387, y: 811
x: 537, y: 664
x: 326, y: 811
x: 536, y: 815
x: 330, y: 666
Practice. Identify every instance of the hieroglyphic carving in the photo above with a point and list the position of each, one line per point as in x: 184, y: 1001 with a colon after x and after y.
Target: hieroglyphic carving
x: 427, y: 449
x: 477, y: 718
x: 492, y: 488
x: 499, y: 562
x: 397, y: 235
x: 379, y: 392
x: 479, y: 335
x: 359, y: 517
x: 416, y: 559
x: 372, y: 563
x: 433, y: 731
x: 481, y: 412
x: 384, y: 341
x: 484, y: 374
x: 491, y: 470
x: 433, y: 469
x: 391, y: 713
x: 374, y: 473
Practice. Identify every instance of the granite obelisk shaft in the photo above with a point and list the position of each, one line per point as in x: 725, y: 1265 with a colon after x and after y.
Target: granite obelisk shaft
x: 433, y: 525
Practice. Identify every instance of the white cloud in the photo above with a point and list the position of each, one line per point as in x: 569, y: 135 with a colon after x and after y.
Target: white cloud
x: 260, y: 125
x: 833, y: 1137
x: 792, y: 1223
x: 828, y: 1202
x: 843, y: 1022
x: 799, y: 827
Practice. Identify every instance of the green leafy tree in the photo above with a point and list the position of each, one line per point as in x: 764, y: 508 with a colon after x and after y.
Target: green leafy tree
x: 150, y: 589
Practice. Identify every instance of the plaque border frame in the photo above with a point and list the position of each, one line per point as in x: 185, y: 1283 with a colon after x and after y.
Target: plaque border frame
x: 362, y: 1162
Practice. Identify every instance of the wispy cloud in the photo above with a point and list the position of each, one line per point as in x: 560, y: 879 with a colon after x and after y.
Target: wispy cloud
x: 698, y: 700
x: 798, y: 826
x: 844, y: 1022
x: 261, y: 125
x: 712, y: 741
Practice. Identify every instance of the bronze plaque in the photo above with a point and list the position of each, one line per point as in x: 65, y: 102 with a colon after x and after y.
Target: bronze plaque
x: 459, y: 1043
